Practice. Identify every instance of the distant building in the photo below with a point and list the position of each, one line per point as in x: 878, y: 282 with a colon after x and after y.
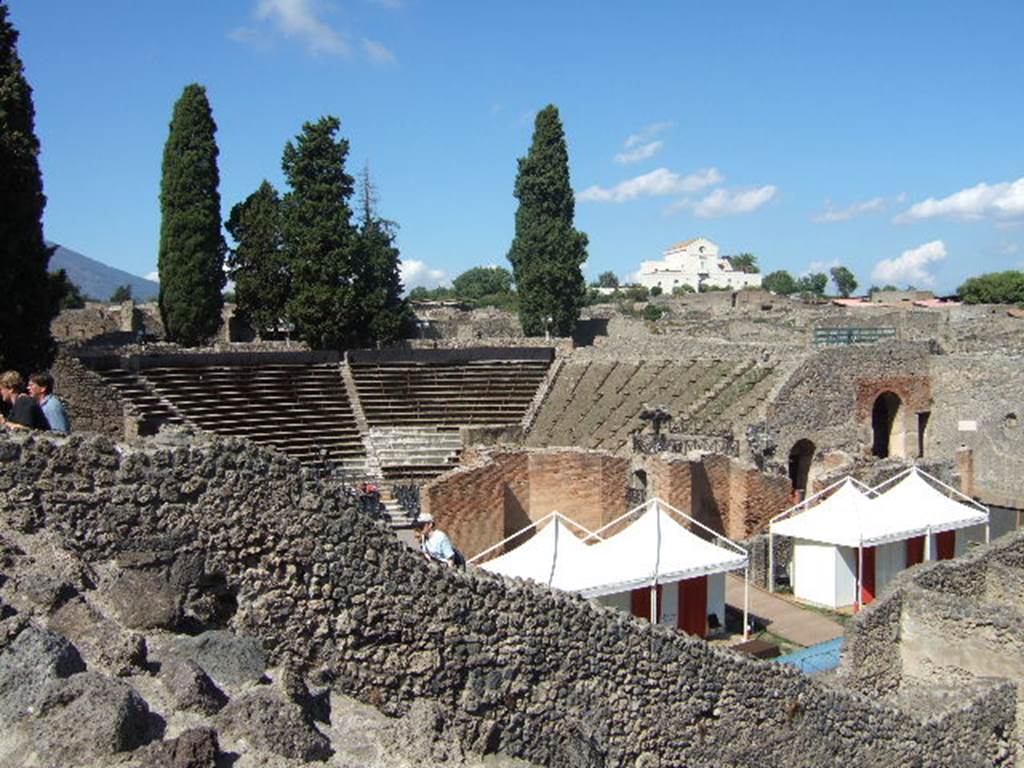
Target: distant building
x: 695, y: 263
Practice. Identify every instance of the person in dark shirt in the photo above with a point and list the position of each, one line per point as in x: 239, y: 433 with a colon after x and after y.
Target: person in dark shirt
x: 24, y: 412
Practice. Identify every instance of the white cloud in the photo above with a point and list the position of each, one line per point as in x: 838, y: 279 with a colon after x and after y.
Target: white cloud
x: 642, y: 152
x: 646, y: 134
x: 982, y: 201
x: 832, y: 214
x: 415, y: 272
x: 911, y: 267
x: 378, y: 52
x: 722, y: 202
x: 300, y: 20
x: 154, y: 276
x: 658, y: 182
x: 391, y: 5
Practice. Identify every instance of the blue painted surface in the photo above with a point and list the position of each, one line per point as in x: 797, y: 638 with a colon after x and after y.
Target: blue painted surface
x: 817, y: 658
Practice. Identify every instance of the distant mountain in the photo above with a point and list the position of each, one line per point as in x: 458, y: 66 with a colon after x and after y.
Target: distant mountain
x: 96, y: 279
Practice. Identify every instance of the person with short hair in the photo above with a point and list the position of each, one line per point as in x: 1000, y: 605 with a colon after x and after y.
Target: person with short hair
x: 24, y: 412
x: 434, y: 543
x: 40, y: 387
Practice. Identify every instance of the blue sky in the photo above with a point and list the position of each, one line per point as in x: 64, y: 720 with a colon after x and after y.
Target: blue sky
x: 883, y: 136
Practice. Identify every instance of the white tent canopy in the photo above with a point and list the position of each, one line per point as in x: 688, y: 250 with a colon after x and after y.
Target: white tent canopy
x: 851, y: 517
x: 554, y: 556
x: 653, y: 549
x: 833, y: 516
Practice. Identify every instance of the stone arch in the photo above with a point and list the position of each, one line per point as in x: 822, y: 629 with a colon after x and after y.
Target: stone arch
x: 800, y: 457
x: 887, y: 431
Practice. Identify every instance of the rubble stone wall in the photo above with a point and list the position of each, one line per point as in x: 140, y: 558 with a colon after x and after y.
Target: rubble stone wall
x: 549, y: 677
x: 92, y: 406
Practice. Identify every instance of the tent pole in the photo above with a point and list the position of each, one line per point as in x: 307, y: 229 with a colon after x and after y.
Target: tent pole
x: 654, y: 604
x: 928, y: 543
x: 771, y: 562
x: 746, y: 600
x: 988, y: 533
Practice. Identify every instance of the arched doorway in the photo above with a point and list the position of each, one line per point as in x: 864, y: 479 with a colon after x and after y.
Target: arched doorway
x: 800, y: 457
x: 885, y: 418
x: 636, y: 494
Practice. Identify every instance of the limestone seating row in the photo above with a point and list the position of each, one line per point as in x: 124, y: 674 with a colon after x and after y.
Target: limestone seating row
x: 150, y: 406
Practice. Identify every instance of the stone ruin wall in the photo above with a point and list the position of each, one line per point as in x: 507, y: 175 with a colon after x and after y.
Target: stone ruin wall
x: 546, y: 676
x: 92, y: 406
x: 940, y: 626
x: 502, y: 492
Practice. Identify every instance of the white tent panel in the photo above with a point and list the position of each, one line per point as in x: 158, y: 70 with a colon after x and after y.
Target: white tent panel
x: 554, y: 556
x: 890, y: 559
x: 836, y: 519
x: 716, y: 597
x: 912, y: 507
x: 824, y: 574
x: 653, y: 547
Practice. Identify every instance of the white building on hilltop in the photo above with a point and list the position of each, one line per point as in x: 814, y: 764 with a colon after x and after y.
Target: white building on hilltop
x: 695, y: 263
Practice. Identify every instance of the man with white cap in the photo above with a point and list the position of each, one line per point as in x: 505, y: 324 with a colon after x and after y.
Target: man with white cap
x: 434, y: 543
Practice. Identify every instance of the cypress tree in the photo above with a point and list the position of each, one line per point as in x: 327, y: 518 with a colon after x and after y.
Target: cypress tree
x: 547, y: 253
x: 319, y: 240
x: 30, y: 298
x: 379, y: 280
x: 191, y: 260
x: 257, y: 264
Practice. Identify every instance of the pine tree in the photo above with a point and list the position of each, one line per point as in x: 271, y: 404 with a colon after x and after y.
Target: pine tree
x: 547, y: 253
x: 30, y: 301
x: 191, y: 259
x: 320, y: 243
x: 257, y: 264
x: 378, y: 281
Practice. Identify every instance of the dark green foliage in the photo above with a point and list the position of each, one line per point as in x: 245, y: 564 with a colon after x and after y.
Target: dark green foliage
x: 637, y: 292
x: 653, y: 312
x: 378, y: 281
x: 30, y: 300
x: 608, y: 280
x: 441, y: 293
x: 656, y: 290
x: 994, y: 288
x: 813, y: 284
x: 319, y: 239
x: 66, y: 293
x: 844, y: 279
x: 121, y: 293
x: 744, y: 262
x: 478, y: 282
x: 682, y: 290
x: 191, y: 260
x: 780, y: 282
x: 257, y: 264
x: 706, y: 288
x: 547, y: 252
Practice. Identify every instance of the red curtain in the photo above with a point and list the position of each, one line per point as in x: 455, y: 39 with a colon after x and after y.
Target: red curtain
x: 945, y: 545
x: 640, y: 602
x: 693, y: 606
x: 867, y: 578
x: 915, y: 550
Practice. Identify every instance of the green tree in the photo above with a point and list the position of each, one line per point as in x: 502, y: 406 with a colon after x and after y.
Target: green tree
x: 744, y: 262
x: 780, y: 282
x: 844, y: 280
x: 257, y: 264
x: 121, y: 293
x: 993, y: 288
x: 478, y: 282
x: 682, y: 290
x: 813, y: 284
x: 547, y: 252
x: 607, y: 280
x: 320, y: 242
x: 67, y: 294
x: 384, y: 314
x: 191, y: 259
x: 656, y: 290
x: 30, y: 301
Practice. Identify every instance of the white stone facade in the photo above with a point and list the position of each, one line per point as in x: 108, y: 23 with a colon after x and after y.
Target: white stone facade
x: 695, y: 263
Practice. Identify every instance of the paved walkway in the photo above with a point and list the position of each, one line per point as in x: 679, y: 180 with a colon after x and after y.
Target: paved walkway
x: 783, y: 617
